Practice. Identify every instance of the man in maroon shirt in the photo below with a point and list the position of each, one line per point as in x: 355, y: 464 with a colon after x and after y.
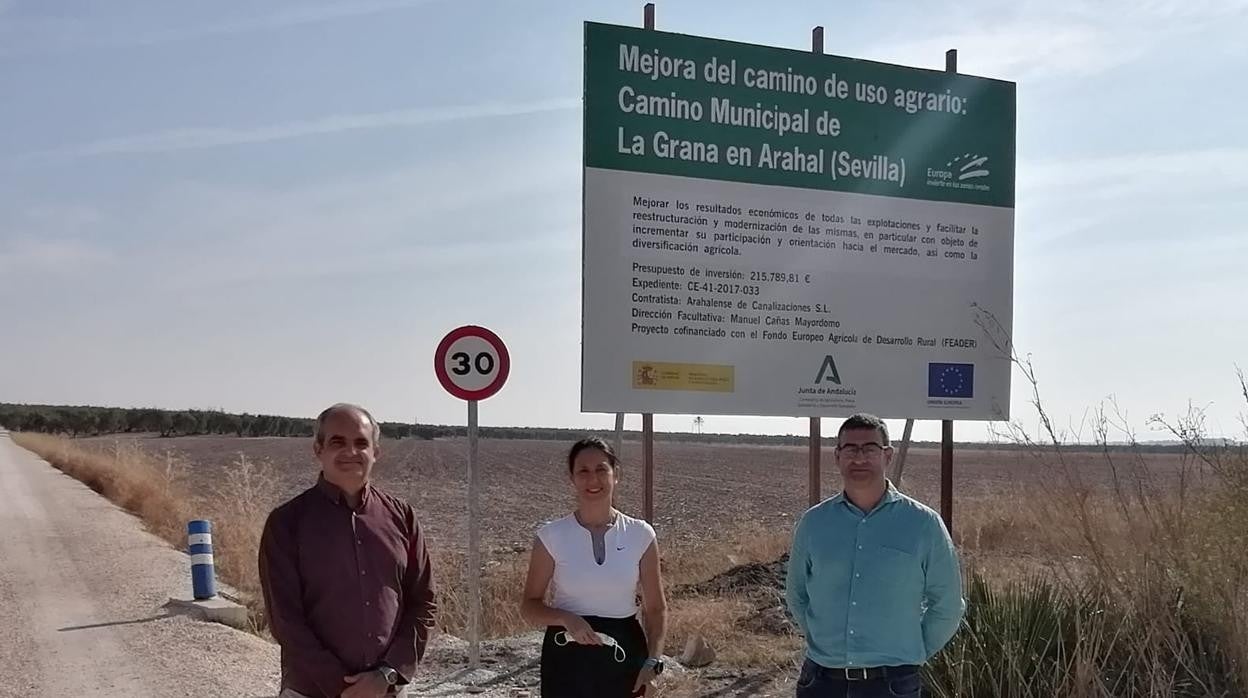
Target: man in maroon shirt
x: 346, y: 577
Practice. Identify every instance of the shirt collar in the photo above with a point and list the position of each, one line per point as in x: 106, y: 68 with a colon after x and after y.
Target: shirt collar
x: 337, y: 496
x: 891, y: 494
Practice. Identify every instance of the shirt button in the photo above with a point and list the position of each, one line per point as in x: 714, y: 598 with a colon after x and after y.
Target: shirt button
x: 857, y: 574
x: 853, y: 603
x: 860, y: 547
x: 368, y: 603
x: 851, y: 632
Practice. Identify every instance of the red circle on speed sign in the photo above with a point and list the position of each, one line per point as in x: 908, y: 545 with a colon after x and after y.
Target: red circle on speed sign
x: 472, y: 363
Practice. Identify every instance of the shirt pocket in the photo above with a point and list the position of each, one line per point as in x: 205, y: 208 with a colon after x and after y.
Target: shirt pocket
x: 898, y: 569
x: 832, y: 560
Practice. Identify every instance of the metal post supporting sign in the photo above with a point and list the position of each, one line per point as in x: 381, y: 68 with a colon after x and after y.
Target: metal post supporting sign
x: 814, y: 468
x: 647, y: 420
x: 946, y: 426
x: 472, y: 364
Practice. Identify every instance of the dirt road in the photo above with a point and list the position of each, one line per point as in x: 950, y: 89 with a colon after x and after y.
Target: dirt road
x: 82, y: 595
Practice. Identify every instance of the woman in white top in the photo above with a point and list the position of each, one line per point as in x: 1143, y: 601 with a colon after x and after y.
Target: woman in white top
x: 591, y: 561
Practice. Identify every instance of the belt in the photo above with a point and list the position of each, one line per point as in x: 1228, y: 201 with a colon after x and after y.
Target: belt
x: 869, y: 673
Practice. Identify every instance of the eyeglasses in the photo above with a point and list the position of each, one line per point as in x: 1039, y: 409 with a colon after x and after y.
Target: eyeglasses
x: 869, y: 450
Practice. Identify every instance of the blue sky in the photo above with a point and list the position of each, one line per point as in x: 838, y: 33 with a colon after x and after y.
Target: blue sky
x: 269, y: 207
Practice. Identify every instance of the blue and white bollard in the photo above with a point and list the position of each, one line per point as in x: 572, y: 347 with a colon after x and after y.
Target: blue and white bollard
x: 203, y: 574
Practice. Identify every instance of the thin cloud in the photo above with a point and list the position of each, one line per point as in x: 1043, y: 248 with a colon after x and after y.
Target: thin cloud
x: 21, y: 37
x: 200, y: 138
x: 1078, y: 201
x: 1021, y: 51
x: 1213, y: 169
x: 290, y: 18
x: 31, y: 255
x: 1037, y: 39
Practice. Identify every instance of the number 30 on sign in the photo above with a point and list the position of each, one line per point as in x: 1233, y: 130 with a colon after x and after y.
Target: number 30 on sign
x: 472, y: 363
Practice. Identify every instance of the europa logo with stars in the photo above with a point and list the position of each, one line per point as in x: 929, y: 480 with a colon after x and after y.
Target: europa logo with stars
x: 951, y: 380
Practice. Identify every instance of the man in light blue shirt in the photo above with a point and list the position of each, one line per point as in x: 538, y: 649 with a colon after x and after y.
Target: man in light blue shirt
x: 873, y: 578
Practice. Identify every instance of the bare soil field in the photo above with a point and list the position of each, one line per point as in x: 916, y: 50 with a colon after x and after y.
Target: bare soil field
x: 701, y: 490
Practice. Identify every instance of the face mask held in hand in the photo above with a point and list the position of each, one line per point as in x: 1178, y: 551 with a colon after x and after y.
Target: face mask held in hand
x: 563, y: 638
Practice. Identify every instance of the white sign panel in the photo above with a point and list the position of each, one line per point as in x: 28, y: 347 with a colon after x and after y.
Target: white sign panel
x: 842, y: 258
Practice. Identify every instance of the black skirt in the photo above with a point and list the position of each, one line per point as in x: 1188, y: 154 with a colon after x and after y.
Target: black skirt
x: 591, y: 671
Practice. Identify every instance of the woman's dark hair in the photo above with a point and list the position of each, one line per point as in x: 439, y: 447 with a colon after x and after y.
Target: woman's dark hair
x: 595, y: 442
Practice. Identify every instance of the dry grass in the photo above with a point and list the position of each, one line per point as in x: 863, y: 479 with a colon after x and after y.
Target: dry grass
x: 238, y: 506
x: 720, y: 621
x: 501, y: 583
x: 1147, y: 592
x: 142, y: 484
x: 724, y: 620
x: 1003, y: 524
x: 691, y: 561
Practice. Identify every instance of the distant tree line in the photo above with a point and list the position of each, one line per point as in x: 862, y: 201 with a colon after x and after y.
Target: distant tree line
x: 96, y: 421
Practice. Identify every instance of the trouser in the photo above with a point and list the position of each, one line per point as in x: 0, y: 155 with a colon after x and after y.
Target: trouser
x: 287, y: 693
x: 580, y: 671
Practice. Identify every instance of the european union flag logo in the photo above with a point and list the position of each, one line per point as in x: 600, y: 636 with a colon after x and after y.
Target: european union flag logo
x: 951, y: 380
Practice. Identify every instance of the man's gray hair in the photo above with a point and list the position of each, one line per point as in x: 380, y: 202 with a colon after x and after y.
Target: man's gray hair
x: 319, y: 435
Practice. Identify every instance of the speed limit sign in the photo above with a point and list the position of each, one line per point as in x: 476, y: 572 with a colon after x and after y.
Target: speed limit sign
x: 472, y: 363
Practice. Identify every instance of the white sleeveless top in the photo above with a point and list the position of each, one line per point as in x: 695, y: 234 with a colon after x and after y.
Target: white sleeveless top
x: 582, y: 586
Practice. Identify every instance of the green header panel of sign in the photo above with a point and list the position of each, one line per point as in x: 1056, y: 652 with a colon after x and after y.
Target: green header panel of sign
x: 694, y: 107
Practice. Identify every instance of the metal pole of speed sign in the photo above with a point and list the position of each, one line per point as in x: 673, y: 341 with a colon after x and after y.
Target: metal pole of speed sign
x: 472, y: 364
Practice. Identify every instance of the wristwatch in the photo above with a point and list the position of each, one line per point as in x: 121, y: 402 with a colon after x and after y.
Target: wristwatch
x: 390, y: 675
x: 656, y: 664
